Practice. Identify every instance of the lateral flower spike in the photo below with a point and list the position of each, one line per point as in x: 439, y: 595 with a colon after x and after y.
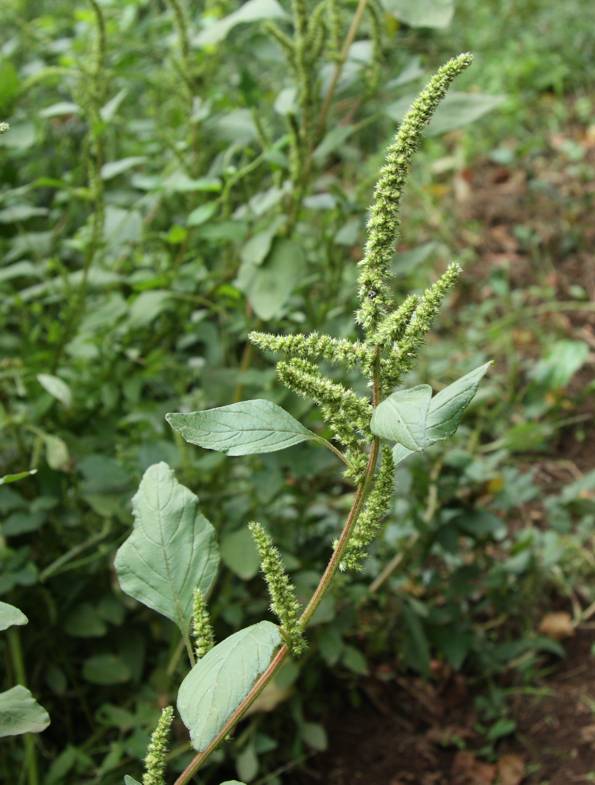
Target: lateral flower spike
x: 392, y: 327
x: 4, y: 128
x: 282, y: 592
x: 202, y: 630
x: 401, y: 359
x: 384, y: 219
x: 346, y: 413
x: 312, y: 347
x: 372, y: 517
x: 155, y: 761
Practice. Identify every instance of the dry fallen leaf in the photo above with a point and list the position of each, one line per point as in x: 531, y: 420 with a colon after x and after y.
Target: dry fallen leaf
x: 511, y: 770
x: 557, y: 625
x: 468, y: 770
x: 588, y: 734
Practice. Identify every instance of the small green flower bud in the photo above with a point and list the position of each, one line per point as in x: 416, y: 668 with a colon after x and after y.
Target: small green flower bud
x: 202, y: 630
x: 283, y: 600
x: 372, y: 517
x: 155, y: 762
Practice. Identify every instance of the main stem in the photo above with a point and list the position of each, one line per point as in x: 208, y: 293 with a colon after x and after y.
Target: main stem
x: 315, y: 599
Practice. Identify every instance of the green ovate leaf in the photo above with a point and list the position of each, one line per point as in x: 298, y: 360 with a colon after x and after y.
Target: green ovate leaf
x: 402, y: 417
x: 244, y: 428
x: 20, y: 713
x: 422, y: 13
x: 252, y: 11
x: 11, y: 616
x: 56, y: 387
x: 415, y: 420
x: 172, y: 548
x: 448, y: 406
x: 275, y: 279
x: 128, y: 780
x: 219, y: 682
x: 456, y: 110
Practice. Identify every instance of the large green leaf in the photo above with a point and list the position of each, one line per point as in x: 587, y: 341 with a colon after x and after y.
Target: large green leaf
x: 447, y: 406
x: 244, y: 428
x: 422, y: 13
x: 218, y: 683
x: 415, y: 420
x: 10, y: 616
x: 455, y: 110
x: 20, y: 713
x: 275, y: 279
x: 402, y: 417
x: 128, y: 780
x: 171, y: 550
x: 252, y: 11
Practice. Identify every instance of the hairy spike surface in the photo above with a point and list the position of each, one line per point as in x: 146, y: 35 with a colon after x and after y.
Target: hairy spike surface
x: 384, y: 220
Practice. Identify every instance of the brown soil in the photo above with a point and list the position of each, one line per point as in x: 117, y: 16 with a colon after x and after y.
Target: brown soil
x: 410, y: 732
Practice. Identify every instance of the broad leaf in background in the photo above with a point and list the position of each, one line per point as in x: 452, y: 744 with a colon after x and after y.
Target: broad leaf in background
x: 172, y: 548
x: 422, y: 13
x: 560, y: 364
x: 455, y: 111
x: 244, y: 428
x: 128, y: 780
x: 56, y: 387
x: 252, y: 11
x: 20, y: 713
x: 275, y: 279
x: 11, y: 616
x: 219, y: 682
x: 415, y: 420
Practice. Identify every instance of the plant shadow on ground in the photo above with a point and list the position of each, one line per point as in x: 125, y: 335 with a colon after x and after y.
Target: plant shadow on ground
x: 409, y: 732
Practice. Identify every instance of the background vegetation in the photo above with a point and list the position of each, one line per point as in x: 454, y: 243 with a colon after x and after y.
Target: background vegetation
x: 147, y: 225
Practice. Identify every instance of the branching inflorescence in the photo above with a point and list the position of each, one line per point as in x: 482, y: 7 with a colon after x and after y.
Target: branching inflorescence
x: 391, y: 337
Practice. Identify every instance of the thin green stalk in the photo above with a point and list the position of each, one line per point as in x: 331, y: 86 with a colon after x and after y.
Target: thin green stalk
x: 18, y: 663
x: 342, y: 59
x: 93, y: 94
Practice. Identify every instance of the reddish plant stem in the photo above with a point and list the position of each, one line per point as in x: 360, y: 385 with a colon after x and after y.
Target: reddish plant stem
x: 319, y: 592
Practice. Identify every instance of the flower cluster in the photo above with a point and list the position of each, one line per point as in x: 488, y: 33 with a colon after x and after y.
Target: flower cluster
x: 282, y: 592
x: 391, y: 336
x: 202, y: 630
x: 155, y: 761
x: 4, y: 128
x: 383, y: 222
x: 372, y: 516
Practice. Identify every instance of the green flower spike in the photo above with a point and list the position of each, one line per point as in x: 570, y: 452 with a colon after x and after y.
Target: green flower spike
x: 372, y: 517
x: 204, y: 640
x: 405, y: 352
x: 384, y: 220
x: 282, y: 592
x: 155, y: 761
x: 346, y: 413
x: 312, y: 347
